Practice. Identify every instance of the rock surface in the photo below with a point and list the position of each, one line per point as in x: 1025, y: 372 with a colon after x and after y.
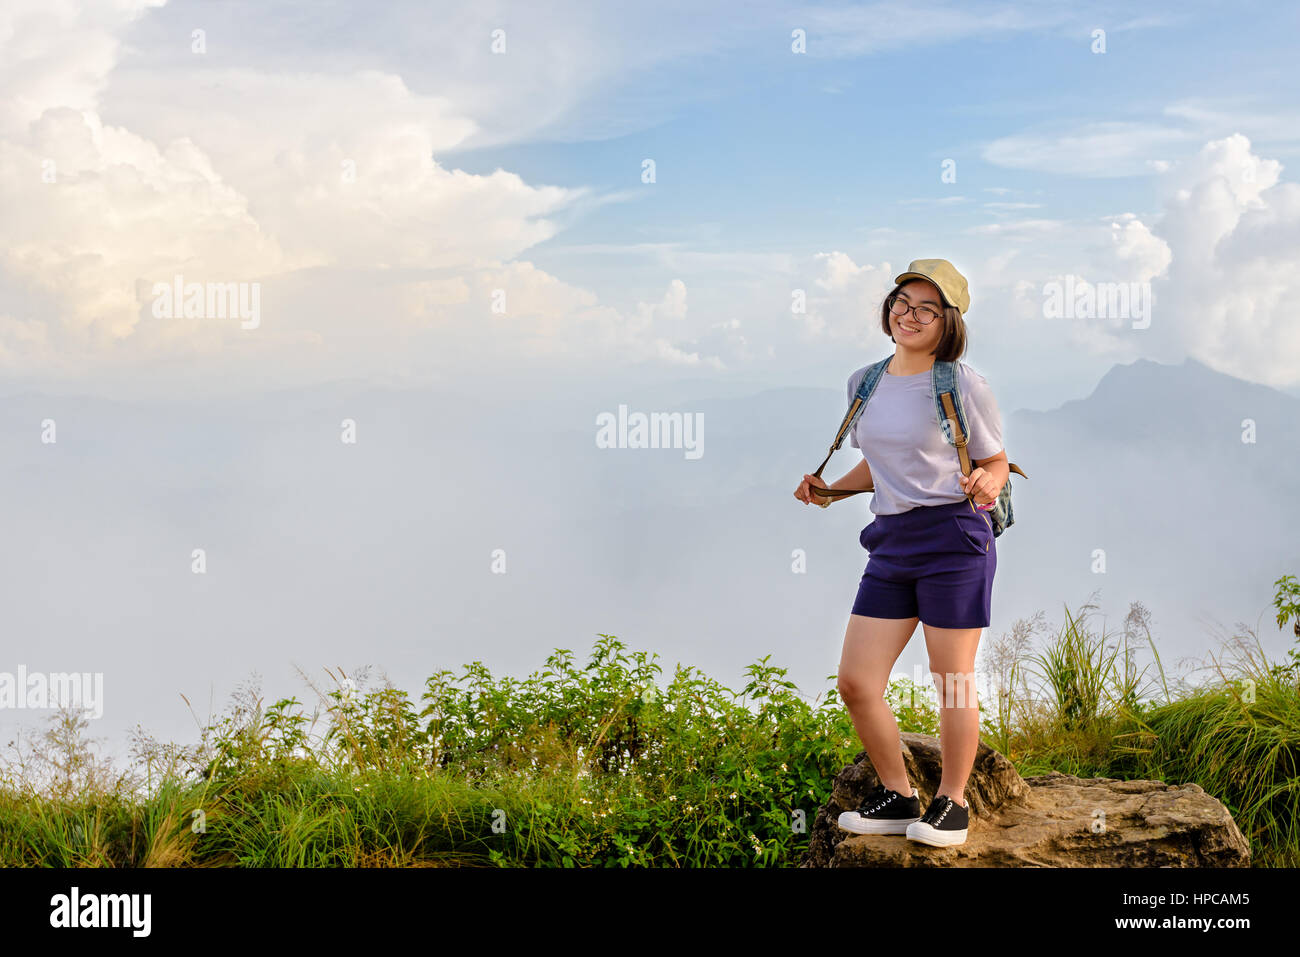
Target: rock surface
x: 1053, y: 820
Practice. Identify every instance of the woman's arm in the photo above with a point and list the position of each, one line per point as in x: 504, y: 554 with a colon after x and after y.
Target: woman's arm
x: 858, y: 477
x: 855, y: 479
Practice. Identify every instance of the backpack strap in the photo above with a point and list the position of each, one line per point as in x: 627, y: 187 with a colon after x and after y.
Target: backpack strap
x: 860, y: 397
x: 952, y: 415
x: 952, y: 418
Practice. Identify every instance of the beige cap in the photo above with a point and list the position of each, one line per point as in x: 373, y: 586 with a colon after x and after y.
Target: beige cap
x: 944, y: 275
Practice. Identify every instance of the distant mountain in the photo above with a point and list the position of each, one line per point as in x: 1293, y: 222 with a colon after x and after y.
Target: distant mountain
x: 1147, y: 399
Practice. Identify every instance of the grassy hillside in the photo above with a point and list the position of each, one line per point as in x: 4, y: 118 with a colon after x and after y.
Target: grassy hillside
x: 603, y: 765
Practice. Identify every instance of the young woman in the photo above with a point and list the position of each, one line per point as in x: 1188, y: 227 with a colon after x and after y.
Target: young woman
x: 932, y: 554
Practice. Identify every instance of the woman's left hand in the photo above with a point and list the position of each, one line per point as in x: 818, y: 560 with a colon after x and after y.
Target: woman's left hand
x: 979, y: 485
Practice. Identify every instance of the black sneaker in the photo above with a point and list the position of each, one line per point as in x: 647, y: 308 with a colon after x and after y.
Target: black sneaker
x: 883, y: 812
x: 943, y: 824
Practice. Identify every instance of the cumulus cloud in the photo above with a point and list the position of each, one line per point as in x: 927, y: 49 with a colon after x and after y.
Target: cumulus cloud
x: 330, y: 184
x: 343, y: 168
x: 651, y: 319
x: 1234, y: 231
x: 671, y: 306
x: 1146, y: 255
x: 58, y: 54
x: 237, y: 174
x: 844, y: 304
x: 1222, y: 260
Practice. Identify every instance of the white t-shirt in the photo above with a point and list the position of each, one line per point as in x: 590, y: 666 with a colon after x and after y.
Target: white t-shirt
x: 898, y: 432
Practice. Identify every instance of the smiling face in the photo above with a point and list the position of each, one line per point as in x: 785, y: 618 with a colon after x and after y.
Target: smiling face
x: 910, y: 334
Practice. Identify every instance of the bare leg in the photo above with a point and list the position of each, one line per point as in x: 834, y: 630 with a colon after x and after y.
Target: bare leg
x: 952, y: 667
x: 871, y: 647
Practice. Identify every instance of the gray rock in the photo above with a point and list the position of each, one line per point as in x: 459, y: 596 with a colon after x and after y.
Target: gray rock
x: 1052, y: 820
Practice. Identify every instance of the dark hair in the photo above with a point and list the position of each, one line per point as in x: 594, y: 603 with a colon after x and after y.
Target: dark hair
x: 952, y: 341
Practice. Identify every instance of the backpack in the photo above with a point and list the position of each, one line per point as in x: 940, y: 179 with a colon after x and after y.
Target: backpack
x: 948, y: 410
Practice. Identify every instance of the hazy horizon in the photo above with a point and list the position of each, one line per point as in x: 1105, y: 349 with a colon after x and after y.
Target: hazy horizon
x: 307, y: 324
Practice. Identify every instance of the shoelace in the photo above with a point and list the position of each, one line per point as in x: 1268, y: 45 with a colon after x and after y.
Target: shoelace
x: 937, y: 810
x: 876, y: 799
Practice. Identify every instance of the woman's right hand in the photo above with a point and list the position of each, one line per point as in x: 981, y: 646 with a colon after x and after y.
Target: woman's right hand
x: 804, y: 492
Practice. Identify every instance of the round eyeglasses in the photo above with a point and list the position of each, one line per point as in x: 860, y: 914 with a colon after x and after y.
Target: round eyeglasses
x: 924, y: 314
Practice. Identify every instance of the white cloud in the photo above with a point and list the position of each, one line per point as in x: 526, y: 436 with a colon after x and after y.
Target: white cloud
x: 933, y: 201
x: 1234, y: 232
x: 848, y: 308
x: 256, y: 175
x: 671, y: 307
x: 1100, y: 149
x: 58, y: 53
x: 858, y: 30
x: 1213, y: 117
x: 1146, y: 254
x: 1223, y: 260
x: 351, y: 176
x: 1021, y: 228
x: 840, y: 271
x: 1108, y: 148
x: 243, y: 171
x: 118, y: 211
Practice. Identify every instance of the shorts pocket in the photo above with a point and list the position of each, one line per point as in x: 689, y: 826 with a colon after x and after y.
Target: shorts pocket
x: 974, y: 532
x: 870, y: 537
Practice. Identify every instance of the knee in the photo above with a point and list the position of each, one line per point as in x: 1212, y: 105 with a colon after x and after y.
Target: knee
x: 954, y: 685
x: 859, y: 688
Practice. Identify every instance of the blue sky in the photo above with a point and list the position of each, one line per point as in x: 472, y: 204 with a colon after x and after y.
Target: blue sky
x: 520, y: 171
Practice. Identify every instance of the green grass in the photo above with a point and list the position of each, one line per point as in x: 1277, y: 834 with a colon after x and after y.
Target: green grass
x: 605, y: 766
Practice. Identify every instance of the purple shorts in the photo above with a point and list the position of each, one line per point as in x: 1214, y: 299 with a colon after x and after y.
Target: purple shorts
x: 933, y: 562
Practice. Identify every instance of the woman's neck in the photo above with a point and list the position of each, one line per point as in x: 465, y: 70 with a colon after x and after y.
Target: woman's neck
x: 909, y: 363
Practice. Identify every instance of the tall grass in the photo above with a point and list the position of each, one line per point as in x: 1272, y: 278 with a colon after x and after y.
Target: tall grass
x: 607, y: 765
x: 1093, y: 713
x: 591, y: 765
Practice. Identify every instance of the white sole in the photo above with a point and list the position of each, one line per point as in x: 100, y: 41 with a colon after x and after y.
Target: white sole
x: 925, y: 834
x: 852, y: 821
